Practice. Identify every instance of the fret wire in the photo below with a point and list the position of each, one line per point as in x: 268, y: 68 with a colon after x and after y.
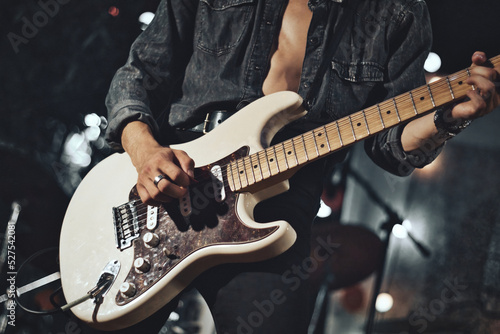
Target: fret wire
x: 432, y: 97
x: 239, y: 174
x: 396, y: 107
x: 268, y: 165
x: 245, y: 171
x: 366, y: 122
x: 413, y: 102
x: 327, y: 139
x: 294, y: 152
x: 251, y: 167
x: 468, y: 73
x: 451, y: 89
x: 284, y: 152
x: 232, y: 176
x: 338, y: 131
x: 305, y: 149
x: 315, y: 144
x: 352, y: 128
x: 276, y: 157
x: 380, y: 115
x: 260, y: 167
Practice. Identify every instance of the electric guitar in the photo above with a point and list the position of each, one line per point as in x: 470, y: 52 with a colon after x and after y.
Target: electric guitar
x: 132, y: 259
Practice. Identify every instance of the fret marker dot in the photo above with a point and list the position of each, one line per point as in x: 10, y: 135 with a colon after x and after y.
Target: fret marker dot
x: 255, y: 166
x: 271, y: 159
x: 388, y: 112
x: 359, y: 124
x: 460, y: 82
x: 319, y: 134
x: 289, y: 152
x: 322, y: 145
x: 422, y: 98
x: 241, y: 172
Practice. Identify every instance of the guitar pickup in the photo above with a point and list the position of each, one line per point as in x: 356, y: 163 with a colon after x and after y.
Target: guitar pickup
x: 218, y: 184
x: 185, y: 205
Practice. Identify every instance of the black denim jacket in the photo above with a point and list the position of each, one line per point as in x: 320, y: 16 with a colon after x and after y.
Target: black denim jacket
x: 197, y: 55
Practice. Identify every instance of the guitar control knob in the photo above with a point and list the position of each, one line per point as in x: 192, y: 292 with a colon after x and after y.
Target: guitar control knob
x: 142, y: 265
x: 151, y: 239
x: 127, y: 289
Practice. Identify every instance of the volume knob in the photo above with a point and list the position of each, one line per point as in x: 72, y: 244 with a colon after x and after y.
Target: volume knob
x: 151, y: 239
x: 127, y: 289
x: 142, y: 265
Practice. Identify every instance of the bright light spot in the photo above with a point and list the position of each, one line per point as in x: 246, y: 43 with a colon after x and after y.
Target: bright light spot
x: 399, y: 231
x: 324, y: 210
x: 113, y: 11
x: 74, y: 143
x: 145, y: 19
x: 384, y: 302
x: 174, y: 316
x: 77, y: 150
x: 92, y: 120
x: 92, y: 133
x: 434, y: 79
x: 432, y: 63
x: 407, y: 224
x: 81, y: 159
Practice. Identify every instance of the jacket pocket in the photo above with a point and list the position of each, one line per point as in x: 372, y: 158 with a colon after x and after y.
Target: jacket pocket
x: 353, y: 86
x: 223, y: 24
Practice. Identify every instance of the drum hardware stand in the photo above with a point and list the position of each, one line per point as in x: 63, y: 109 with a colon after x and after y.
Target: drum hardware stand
x: 392, y: 219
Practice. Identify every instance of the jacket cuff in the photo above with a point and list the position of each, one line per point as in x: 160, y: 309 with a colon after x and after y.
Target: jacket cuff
x: 123, y: 113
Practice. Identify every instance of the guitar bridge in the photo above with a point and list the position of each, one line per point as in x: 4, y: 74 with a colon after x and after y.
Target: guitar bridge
x: 126, y: 225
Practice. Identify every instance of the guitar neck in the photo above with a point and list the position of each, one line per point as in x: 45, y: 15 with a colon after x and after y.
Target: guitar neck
x: 322, y: 141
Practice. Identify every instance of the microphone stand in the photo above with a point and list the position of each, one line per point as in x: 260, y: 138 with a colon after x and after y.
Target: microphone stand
x: 392, y: 219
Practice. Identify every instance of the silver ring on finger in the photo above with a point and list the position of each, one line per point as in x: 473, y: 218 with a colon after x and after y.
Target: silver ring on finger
x: 158, y: 179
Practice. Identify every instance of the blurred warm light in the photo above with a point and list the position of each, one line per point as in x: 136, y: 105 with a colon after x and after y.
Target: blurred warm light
x: 432, y: 63
x: 432, y: 169
x: 113, y: 11
x: 384, y: 302
x: 434, y: 79
x: 324, y: 210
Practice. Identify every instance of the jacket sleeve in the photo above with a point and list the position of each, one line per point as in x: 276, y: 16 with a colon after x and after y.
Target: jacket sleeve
x: 154, y: 68
x: 409, y: 42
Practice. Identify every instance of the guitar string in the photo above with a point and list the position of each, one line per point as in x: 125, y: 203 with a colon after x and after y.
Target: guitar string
x: 245, y: 163
x: 439, y: 87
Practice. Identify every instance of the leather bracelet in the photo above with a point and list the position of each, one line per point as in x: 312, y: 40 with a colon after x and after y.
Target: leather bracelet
x: 445, y: 126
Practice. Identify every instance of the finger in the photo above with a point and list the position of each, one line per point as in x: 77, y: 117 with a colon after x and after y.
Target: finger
x: 484, y: 86
x: 479, y: 58
x: 485, y: 72
x: 169, y: 188
x: 146, y: 197
x: 473, y: 108
x: 152, y: 191
x: 185, y: 161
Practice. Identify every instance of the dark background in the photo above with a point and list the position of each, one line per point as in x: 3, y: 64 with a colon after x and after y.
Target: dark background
x: 62, y: 72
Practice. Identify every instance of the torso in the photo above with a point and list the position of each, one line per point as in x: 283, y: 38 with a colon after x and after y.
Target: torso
x: 287, y: 58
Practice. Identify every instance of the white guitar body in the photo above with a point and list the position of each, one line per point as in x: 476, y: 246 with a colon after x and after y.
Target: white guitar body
x: 88, y: 242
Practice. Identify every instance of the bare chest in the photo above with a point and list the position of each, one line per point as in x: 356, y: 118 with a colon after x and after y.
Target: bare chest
x: 288, y: 54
